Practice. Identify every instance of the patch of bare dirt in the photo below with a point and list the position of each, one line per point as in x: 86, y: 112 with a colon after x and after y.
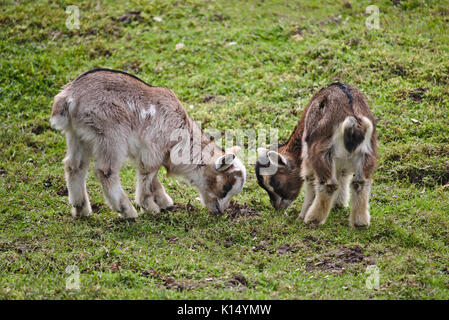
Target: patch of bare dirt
x: 399, y: 70
x: 172, y: 284
x: 20, y: 246
x: 129, y: 17
x: 424, y: 175
x: 347, y: 5
x: 213, y: 98
x: 237, y: 210
x: 188, y: 207
x: 285, y: 248
x: 238, y: 280
x: 208, y: 98
x: 418, y: 94
x: 96, y: 207
x: 62, y: 191
x: 339, y: 260
x: 39, y: 128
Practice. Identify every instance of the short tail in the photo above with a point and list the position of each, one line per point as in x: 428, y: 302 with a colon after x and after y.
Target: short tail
x: 60, y: 112
x: 357, y: 132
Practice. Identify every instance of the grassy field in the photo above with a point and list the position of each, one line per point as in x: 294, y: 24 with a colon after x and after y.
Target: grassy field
x: 244, y: 65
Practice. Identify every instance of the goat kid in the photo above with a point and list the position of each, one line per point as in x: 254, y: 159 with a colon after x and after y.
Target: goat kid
x: 333, y: 148
x: 110, y: 115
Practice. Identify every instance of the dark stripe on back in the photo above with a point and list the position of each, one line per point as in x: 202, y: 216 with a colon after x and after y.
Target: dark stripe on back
x: 345, y: 89
x: 111, y: 70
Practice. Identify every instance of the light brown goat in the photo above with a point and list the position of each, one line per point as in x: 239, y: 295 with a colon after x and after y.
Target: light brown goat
x: 111, y: 115
x: 334, y: 143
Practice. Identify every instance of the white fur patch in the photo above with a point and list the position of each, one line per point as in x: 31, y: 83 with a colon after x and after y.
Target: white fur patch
x: 115, y: 193
x: 344, y: 160
x: 152, y: 111
x: 365, y: 146
x: 70, y: 104
x: 131, y: 106
x: 338, y: 138
x: 58, y: 122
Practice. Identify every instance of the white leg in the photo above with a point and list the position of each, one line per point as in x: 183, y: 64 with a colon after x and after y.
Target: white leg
x: 360, y: 216
x: 342, y: 198
x: 76, y: 165
x: 319, y: 210
x: 309, y: 195
x: 144, y: 192
x: 161, y: 197
x: 107, y: 169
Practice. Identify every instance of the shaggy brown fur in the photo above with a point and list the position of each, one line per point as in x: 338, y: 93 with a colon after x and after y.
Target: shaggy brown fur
x: 335, y: 139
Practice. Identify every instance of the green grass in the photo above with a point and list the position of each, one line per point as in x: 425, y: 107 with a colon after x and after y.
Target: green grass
x: 285, y: 52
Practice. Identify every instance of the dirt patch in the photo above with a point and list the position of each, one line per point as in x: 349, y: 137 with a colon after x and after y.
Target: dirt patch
x: 285, y: 248
x: 63, y: 191
x: 237, y: 210
x: 219, y: 17
x: 171, y: 283
x: 20, y: 246
x: 131, y: 66
x: 314, y: 243
x: 339, y: 260
x: 39, y: 128
x: 48, y: 183
x: 238, y: 280
x: 424, y: 175
x: 188, y: 207
x: 398, y: 70
x: 213, y: 98
x: 96, y: 207
x: 347, y: 5
x: 129, y: 17
x: 208, y: 98
x: 418, y: 94
x: 3, y: 171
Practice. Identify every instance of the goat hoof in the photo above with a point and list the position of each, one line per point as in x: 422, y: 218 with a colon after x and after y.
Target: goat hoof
x: 313, y: 222
x: 81, y: 211
x: 361, y: 226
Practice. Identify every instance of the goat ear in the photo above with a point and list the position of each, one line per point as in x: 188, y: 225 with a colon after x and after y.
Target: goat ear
x: 277, y: 159
x: 224, y: 162
x: 234, y: 150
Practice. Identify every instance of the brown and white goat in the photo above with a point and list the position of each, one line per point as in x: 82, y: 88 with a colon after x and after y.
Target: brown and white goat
x: 110, y: 115
x: 333, y: 147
